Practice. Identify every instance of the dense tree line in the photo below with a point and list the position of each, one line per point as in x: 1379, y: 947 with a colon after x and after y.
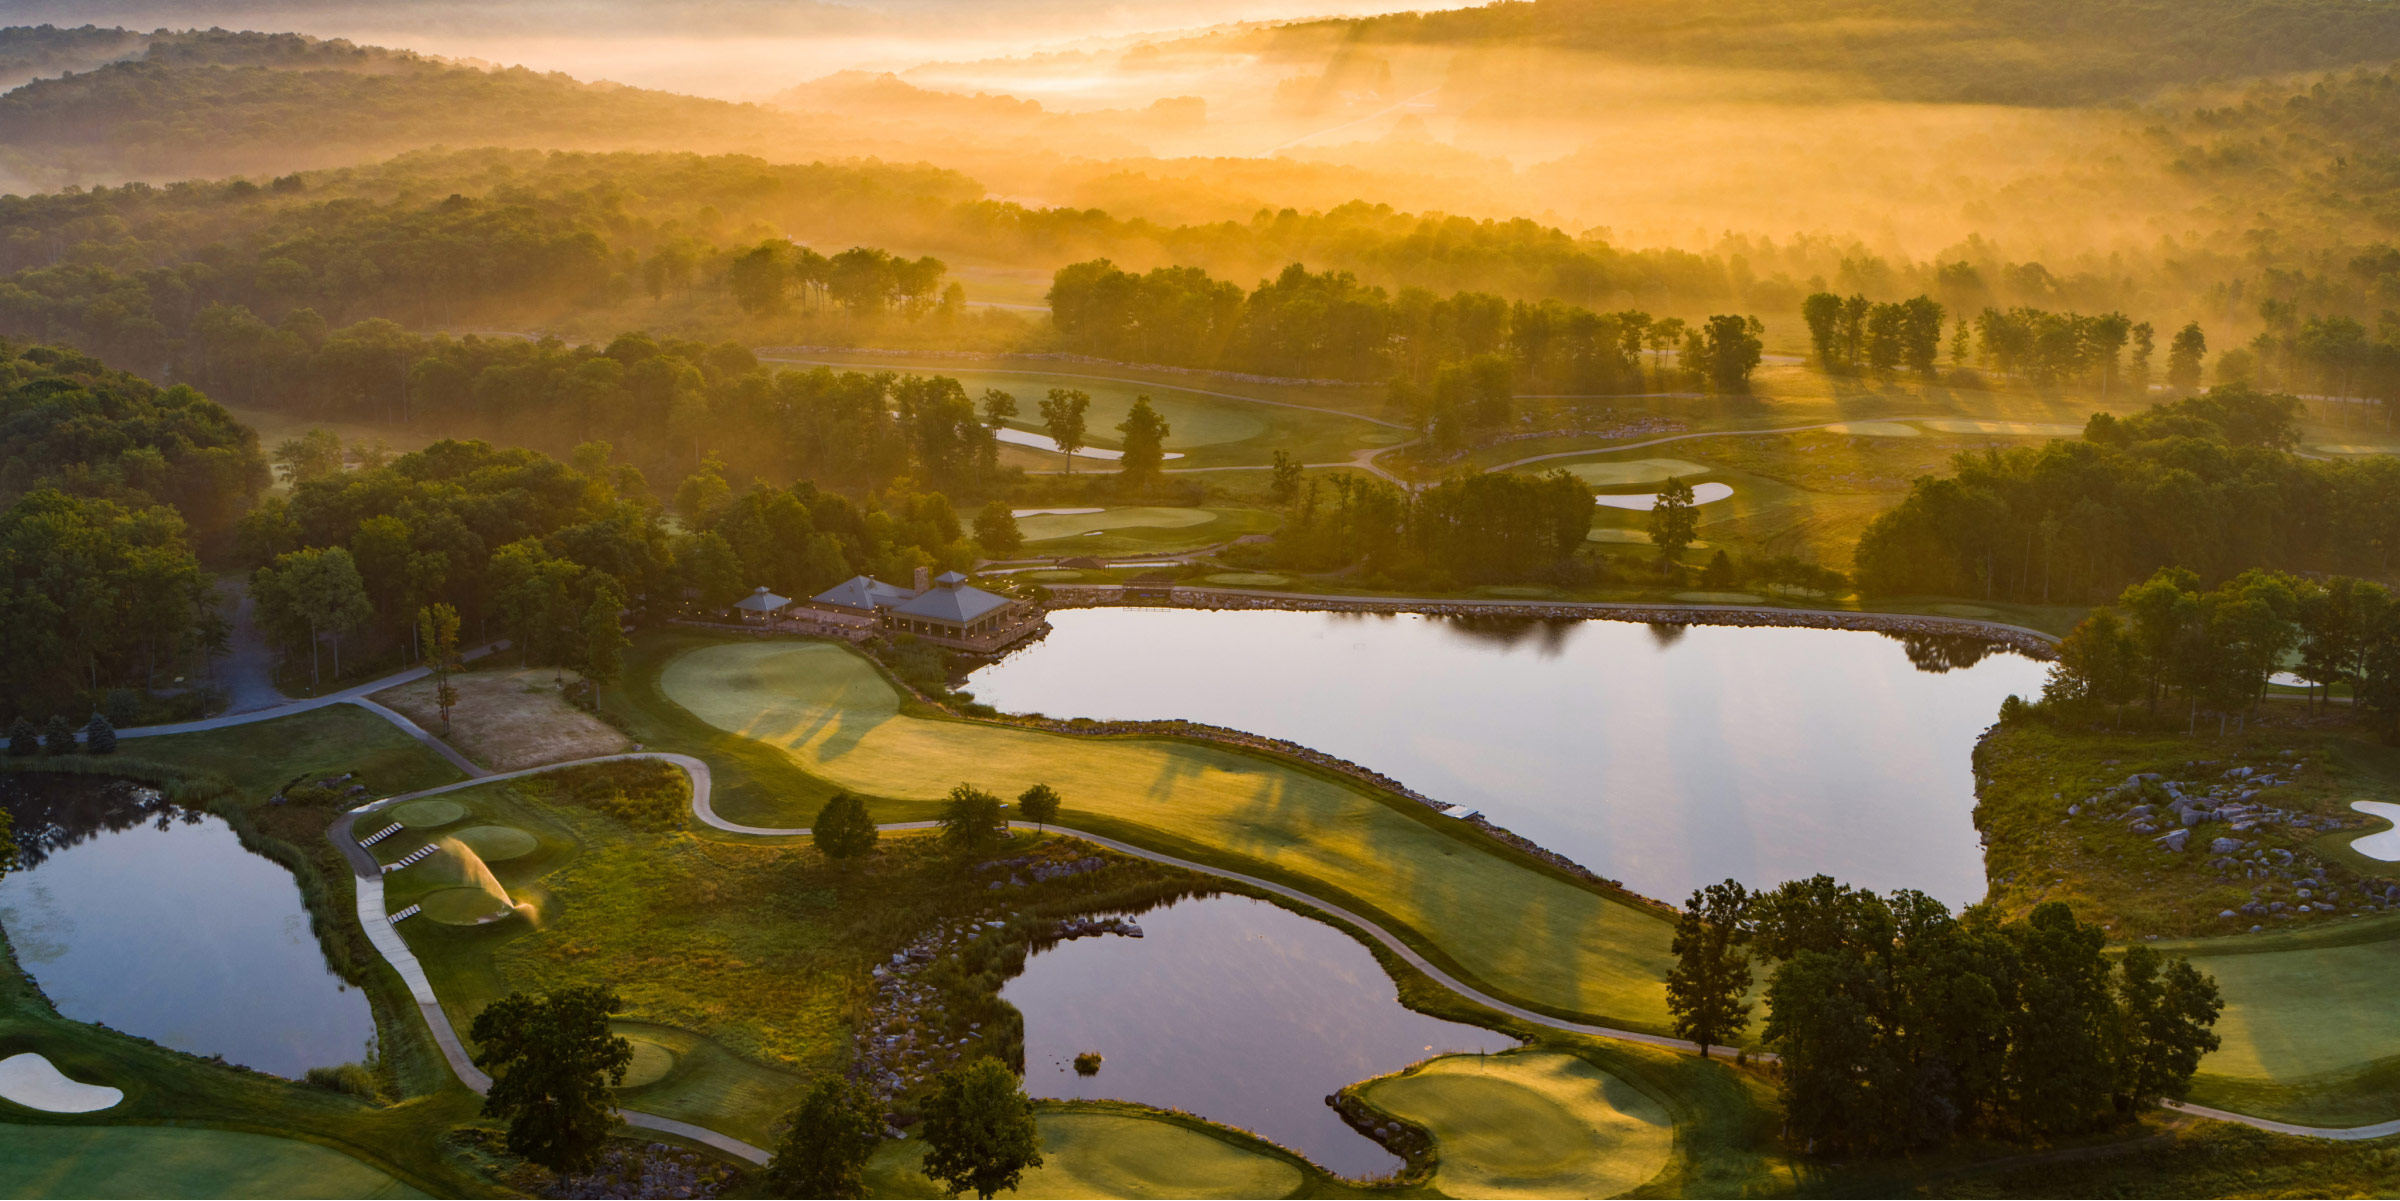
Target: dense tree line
x: 1489, y: 527
x: 2168, y: 641
x: 1900, y: 1025
x: 1329, y: 325
x: 553, y: 555
x: 2208, y: 483
x: 108, y: 481
x: 203, y: 280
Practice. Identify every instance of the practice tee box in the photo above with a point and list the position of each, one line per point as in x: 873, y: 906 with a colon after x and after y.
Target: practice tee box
x: 428, y: 814
x: 496, y: 843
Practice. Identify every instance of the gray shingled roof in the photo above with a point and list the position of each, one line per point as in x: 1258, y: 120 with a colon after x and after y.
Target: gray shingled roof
x: 863, y: 592
x: 956, y: 604
x: 762, y: 601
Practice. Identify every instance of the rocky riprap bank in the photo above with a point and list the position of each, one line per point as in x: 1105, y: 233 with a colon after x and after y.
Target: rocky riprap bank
x: 2031, y: 644
x: 2285, y: 884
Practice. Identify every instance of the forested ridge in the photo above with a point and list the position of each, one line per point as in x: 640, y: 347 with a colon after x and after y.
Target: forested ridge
x: 2043, y: 52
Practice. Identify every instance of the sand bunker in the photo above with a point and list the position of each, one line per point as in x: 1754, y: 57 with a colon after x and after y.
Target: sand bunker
x: 1050, y: 512
x: 2385, y: 844
x: 32, y: 1081
x: 1017, y: 437
x: 1702, y: 494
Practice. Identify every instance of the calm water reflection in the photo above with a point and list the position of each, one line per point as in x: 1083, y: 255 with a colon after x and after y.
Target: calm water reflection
x: 1232, y: 1009
x: 1663, y: 756
x: 155, y: 920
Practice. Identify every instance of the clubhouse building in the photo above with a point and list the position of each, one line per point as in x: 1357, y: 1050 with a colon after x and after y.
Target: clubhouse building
x: 945, y: 610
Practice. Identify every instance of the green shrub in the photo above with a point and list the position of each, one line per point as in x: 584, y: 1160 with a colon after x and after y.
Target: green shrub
x: 643, y: 793
x: 351, y: 1078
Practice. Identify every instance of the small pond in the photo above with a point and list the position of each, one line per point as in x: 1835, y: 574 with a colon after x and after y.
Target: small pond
x: 156, y: 921
x: 1664, y: 756
x: 1235, y: 1010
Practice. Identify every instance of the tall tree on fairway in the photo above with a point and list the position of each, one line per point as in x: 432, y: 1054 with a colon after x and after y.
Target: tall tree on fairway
x: 1063, y: 419
x: 979, y: 1130
x: 826, y: 1142
x: 555, y: 1068
x: 1711, y: 974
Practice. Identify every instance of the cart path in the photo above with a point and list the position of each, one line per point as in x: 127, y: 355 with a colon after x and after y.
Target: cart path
x: 395, y: 950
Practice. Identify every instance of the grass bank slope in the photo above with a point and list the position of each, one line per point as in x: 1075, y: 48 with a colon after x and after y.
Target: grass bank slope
x: 1519, y: 931
x: 163, y: 1161
x: 1538, y: 1124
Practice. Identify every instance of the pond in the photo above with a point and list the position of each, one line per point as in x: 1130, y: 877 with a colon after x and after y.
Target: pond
x: 1664, y: 756
x: 1235, y: 1010
x: 156, y: 921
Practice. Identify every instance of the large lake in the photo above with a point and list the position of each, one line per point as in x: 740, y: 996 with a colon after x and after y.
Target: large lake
x: 157, y: 921
x: 1665, y: 757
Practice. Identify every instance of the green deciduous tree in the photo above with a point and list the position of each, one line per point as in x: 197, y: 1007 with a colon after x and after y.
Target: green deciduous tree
x: 971, y: 820
x: 1039, y: 804
x: 1145, y: 434
x: 309, y: 594
x: 603, y: 651
x: 1674, y: 519
x: 1705, y: 988
x: 996, y: 530
x: 437, y: 632
x: 826, y: 1142
x: 1063, y: 419
x: 555, y: 1067
x: 979, y: 1130
x: 842, y: 829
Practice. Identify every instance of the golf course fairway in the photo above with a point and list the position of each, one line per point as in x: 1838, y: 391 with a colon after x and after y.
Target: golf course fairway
x: 1534, y: 1124
x: 1086, y: 1154
x: 1520, y: 932
x: 168, y: 1161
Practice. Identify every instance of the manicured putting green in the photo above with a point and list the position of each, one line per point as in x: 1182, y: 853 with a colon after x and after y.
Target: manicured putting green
x: 1515, y: 928
x: 1071, y: 525
x: 168, y: 1161
x: 1114, y: 1155
x: 2294, y: 1014
x: 1539, y: 1124
x: 1249, y: 579
x: 652, y: 1060
x: 495, y: 843
x: 426, y: 814
x: 1618, y: 473
x: 464, y: 906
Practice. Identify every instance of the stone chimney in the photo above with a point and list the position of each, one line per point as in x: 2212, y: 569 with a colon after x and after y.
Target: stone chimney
x: 924, y: 580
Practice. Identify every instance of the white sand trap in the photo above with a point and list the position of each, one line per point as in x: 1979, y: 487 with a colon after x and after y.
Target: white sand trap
x: 31, y: 1081
x: 2384, y: 845
x: 1875, y: 429
x: 1018, y: 437
x: 2022, y: 429
x: 1702, y: 494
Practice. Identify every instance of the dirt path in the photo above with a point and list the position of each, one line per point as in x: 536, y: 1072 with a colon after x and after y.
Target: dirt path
x: 247, y: 671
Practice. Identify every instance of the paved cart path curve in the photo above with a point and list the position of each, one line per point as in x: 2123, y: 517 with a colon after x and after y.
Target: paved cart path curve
x: 388, y: 942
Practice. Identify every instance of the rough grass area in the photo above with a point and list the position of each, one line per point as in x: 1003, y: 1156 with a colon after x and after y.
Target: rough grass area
x: 2199, y: 1159
x: 1517, y: 930
x: 509, y: 719
x: 2030, y: 774
x: 2311, y: 1026
x: 1118, y: 1151
x: 749, y: 961
x: 154, y: 1161
x: 1529, y: 1124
